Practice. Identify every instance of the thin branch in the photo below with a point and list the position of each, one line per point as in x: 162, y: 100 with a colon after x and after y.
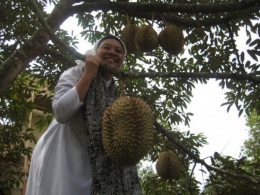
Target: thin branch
x: 59, y: 56
x: 160, y: 129
x: 200, y: 75
x: 191, y: 177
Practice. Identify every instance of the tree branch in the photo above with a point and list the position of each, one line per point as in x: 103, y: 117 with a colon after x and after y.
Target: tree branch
x: 166, y: 7
x: 194, y: 23
x: 53, y: 36
x: 144, y: 10
x: 160, y: 129
x: 201, y: 75
x: 32, y: 48
x: 57, y: 55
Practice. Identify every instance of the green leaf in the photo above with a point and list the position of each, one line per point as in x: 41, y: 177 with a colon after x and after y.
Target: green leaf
x: 242, y: 57
x: 252, y: 54
x: 240, y: 112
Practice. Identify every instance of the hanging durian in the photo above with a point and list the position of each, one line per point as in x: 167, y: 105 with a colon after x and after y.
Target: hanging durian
x: 171, y: 40
x: 128, y: 37
x: 168, y: 165
x: 146, y: 38
x: 127, y: 130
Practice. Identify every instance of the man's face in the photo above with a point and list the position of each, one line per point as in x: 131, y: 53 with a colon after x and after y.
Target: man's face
x: 110, y: 51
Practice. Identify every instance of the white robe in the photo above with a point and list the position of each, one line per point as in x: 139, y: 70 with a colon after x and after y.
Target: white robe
x: 60, y: 162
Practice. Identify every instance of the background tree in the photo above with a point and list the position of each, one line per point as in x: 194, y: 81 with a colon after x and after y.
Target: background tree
x: 34, y: 46
x: 252, y: 144
x: 248, y: 163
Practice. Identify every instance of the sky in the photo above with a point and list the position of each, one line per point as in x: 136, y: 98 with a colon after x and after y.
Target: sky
x: 225, y: 131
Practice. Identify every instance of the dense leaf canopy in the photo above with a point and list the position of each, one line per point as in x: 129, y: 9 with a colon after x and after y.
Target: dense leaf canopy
x: 35, y: 48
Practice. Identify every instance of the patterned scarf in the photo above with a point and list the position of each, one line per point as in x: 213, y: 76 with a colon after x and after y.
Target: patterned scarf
x: 107, y: 178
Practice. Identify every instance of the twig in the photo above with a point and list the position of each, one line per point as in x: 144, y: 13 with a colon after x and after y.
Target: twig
x: 60, y: 56
x: 191, y: 173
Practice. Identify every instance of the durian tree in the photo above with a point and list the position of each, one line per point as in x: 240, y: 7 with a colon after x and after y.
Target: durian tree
x: 33, y: 45
x: 251, y: 145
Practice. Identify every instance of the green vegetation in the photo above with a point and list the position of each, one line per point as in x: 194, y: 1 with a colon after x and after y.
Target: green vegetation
x: 35, y: 51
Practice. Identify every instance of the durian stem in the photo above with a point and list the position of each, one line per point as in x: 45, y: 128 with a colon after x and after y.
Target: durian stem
x: 152, y: 18
x: 164, y: 145
x: 164, y: 21
x: 127, y: 18
x: 122, y: 86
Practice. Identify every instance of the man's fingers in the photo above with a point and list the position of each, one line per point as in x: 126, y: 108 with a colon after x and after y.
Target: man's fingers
x: 93, y: 60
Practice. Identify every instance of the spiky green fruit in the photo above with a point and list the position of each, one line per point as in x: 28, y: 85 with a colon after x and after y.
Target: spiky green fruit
x: 127, y: 130
x: 171, y: 40
x: 128, y: 37
x: 168, y: 165
x: 146, y: 39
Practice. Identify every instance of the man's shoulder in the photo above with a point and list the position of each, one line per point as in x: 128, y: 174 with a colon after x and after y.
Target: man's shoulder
x: 75, y: 70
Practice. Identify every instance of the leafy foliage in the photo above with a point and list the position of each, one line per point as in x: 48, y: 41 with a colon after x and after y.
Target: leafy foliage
x: 152, y: 185
x: 251, y: 145
x: 222, y: 184
x: 248, y: 164
x: 15, y: 108
x: 212, y: 31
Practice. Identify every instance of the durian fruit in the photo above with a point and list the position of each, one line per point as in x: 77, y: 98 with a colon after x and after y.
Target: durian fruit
x: 127, y: 130
x: 168, y: 165
x: 146, y: 39
x: 171, y: 40
x: 128, y: 37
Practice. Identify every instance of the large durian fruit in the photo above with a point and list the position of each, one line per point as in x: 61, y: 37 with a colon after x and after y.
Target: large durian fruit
x: 168, y: 166
x: 146, y: 39
x: 127, y: 130
x: 128, y: 35
x: 171, y: 40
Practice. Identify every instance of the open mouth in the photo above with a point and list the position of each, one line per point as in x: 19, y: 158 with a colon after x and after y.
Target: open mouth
x: 110, y: 59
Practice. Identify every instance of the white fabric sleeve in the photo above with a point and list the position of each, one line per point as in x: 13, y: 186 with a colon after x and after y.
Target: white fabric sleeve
x: 66, y: 101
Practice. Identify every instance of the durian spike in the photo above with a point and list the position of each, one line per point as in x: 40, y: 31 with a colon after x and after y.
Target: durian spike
x: 122, y: 86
